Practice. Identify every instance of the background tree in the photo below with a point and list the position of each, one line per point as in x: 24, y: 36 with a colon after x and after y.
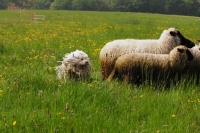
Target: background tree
x: 42, y: 4
x: 3, y: 4
x: 182, y: 7
x: 156, y: 7
x: 26, y: 4
x: 61, y: 4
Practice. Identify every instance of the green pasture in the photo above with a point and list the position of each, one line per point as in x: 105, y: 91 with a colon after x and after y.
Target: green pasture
x: 33, y: 100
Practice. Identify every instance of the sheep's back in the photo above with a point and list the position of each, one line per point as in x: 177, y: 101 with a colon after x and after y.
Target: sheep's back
x: 121, y: 47
x: 131, y: 62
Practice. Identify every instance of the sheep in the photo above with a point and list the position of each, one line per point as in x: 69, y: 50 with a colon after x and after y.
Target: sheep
x: 75, y: 65
x: 139, y: 67
x: 112, y: 50
x: 198, y: 41
x: 193, y: 67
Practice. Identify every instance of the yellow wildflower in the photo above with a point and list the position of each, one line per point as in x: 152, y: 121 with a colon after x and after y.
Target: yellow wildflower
x: 14, y: 123
x: 63, y: 118
x: 50, y: 68
x: 59, y: 113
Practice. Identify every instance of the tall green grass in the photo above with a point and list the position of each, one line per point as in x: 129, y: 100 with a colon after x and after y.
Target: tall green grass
x: 33, y: 100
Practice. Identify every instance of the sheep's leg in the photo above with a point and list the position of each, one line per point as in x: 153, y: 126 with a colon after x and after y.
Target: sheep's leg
x: 110, y: 77
x: 137, y: 80
x: 197, y: 81
x: 174, y: 80
x: 102, y: 73
x: 168, y: 84
x: 106, y: 69
x: 170, y: 79
x: 179, y: 79
x: 126, y: 79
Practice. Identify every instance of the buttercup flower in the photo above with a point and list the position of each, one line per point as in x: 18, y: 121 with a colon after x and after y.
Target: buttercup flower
x: 14, y: 123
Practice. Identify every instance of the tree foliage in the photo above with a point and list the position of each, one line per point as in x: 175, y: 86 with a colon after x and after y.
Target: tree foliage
x: 42, y: 4
x: 3, y: 4
x: 182, y: 7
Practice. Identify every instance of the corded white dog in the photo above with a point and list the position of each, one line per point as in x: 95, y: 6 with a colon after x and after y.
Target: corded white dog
x: 75, y: 65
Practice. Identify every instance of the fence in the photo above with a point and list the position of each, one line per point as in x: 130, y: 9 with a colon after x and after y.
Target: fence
x: 34, y: 17
x: 38, y: 18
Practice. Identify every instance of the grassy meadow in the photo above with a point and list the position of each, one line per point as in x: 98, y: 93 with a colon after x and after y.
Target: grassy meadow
x: 33, y: 100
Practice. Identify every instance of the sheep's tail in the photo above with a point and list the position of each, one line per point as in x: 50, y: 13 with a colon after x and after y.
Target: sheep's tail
x: 112, y: 74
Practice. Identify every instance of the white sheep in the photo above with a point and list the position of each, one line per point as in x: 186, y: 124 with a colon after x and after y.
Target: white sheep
x: 198, y: 41
x: 74, y: 65
x: 139, y: 67
x: 193, y: 67
x: 112, y: 50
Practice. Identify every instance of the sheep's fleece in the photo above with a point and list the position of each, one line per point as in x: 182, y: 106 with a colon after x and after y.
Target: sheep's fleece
x: 195, y: 63
x: 112, y: 50
x: 137, y: 67
x: 193, y: 67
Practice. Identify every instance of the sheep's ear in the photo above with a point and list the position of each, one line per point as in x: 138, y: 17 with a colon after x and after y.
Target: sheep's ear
x: 173, y: 33
x: 180, y: 50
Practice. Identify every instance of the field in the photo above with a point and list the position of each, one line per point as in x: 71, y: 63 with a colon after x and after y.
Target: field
x: 33, y: 100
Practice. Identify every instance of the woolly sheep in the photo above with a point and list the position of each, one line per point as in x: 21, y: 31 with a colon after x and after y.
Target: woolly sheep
x: 193, y: 67
x: 198, y: 41
x: 139, y: 67
x: 74, y: 65
x: 112, y: 50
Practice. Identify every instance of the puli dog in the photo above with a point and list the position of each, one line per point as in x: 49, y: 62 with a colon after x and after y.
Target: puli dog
x: 75, y: 65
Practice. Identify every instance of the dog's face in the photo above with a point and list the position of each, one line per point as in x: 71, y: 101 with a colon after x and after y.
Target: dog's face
x: 77, y: 58
x: 78, y: 64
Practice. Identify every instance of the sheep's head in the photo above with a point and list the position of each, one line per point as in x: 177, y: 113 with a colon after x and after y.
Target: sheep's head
x: 181, y: 39
x: 179, y: 57
x: 195, y: 52
x: 185, y: 51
